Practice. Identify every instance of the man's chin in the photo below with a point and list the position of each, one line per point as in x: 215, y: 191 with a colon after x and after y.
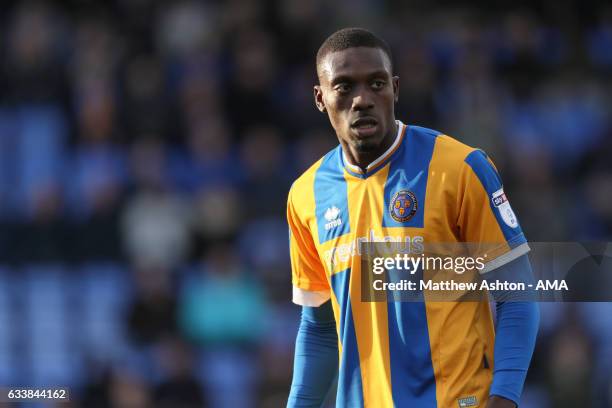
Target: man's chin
x: 369, y: 145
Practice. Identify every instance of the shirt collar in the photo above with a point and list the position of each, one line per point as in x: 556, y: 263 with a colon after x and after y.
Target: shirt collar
x: 382, y: 157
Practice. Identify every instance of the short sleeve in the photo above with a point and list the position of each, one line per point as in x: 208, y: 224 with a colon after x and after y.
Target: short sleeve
x: 485, y: 215
x: 310, y: 285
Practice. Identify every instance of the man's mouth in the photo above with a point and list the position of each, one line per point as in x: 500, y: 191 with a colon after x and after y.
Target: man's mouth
x: 364, y: 123
x: 365, y: 126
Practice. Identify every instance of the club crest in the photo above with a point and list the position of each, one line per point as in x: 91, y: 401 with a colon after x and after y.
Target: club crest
x: 403, y: 206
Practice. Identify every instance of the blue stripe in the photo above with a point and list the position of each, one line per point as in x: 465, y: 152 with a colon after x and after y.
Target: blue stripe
x: 409, y: 171
x: 412, y: 376
x: 350, y: 387
x: 491, y: 181
x: 330, y: 192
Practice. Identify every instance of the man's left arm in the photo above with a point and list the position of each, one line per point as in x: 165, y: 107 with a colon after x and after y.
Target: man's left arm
x: 516, y: 331
x: 486, y: 218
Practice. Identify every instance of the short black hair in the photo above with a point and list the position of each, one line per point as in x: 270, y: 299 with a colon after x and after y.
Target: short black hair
x: 352, y: 37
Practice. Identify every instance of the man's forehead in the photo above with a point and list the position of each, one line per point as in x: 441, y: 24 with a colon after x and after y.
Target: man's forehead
x: 354, y: 61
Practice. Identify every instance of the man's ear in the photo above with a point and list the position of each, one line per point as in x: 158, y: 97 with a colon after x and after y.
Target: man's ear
x: 318, y: 98
x: 395, y: 81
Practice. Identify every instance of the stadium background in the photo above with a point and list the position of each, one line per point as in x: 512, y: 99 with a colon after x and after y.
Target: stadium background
x: 146, y: 149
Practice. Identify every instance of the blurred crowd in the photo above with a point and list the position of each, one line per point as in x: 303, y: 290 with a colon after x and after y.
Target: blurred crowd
x: 147, y: 148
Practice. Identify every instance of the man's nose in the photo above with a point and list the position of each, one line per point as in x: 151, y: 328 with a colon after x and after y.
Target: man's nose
x: 362, y: 101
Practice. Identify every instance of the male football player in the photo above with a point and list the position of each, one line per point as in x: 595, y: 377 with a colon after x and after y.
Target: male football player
x: 390, y: 179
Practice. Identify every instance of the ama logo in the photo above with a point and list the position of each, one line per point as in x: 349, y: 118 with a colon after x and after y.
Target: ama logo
x: 332, y: 216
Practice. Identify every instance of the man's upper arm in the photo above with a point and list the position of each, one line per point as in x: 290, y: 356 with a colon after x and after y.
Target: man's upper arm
x: 485, y: 216
x: 310, y: 285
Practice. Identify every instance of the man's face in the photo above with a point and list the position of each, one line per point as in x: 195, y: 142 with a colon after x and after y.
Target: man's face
x: 358, y: 92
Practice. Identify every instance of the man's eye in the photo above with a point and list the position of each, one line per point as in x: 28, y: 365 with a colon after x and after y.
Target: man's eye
x: 343, y: 88
x: 378, y: 84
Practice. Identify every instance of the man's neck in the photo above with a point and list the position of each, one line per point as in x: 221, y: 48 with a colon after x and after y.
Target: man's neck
x: 364, y: 159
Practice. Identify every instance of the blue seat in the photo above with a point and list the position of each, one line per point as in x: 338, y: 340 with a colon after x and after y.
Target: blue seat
x: 42, y: 133
x: 105, y: 293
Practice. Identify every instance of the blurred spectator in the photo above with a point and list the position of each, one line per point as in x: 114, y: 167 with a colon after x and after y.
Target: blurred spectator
x: 263, y: 158
x: 96, y: 393
x: 224, y: 309
x: 417, y: 80
x: 96, y: 182
x: 146, y: 107
x: 223, y: 305
x: 572, y: 116
x: 570, y: 367
x: 152, y: 316
x: 154, y: 223
x: 297, y: 20
x: 118, y: 389
x: 155, y: 229
x: 187, y: 27
x: 198, y: 97
x: 311, y: 146
x: 217, y: 214
x: 598, y: 191
x: 600, y: 40
x: 179, y: 388
x: 276, y: 352
x: 209, y: 160
x: 522, y: 52
x: 47, y: 237
x: 252, y: 89
x: 149, y: 163
x: 129, y: 391
x: 32, y: 72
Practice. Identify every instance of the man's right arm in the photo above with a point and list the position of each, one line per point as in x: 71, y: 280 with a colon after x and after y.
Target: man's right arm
x: 316, y: 346
x: 316, y: 357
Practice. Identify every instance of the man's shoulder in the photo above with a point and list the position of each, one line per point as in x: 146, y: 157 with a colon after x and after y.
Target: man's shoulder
x: 451, y: 147
x: 448, y: 149
x: 306, y: 179
x: 304, y: 183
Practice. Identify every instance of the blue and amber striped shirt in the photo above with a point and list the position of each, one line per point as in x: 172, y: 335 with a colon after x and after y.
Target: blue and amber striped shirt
x: 426, y: 188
